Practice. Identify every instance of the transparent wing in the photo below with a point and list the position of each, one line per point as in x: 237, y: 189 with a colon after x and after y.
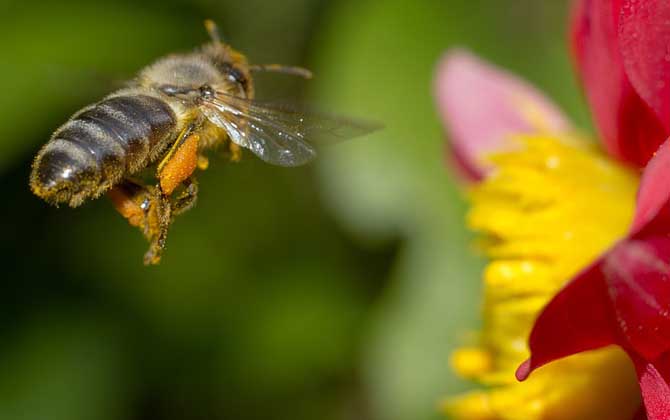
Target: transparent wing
x: 279, y: 134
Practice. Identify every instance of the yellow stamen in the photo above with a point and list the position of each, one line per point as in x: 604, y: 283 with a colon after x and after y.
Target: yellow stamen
x: 551, y: 208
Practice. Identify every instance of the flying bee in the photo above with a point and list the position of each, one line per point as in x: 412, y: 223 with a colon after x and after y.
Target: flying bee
x: 164, y: 122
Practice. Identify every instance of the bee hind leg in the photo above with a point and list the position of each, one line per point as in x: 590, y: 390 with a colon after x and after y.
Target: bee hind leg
x: 150, y: 208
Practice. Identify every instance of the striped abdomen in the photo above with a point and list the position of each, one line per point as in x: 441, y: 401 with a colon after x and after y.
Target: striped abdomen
x: 99, y: 145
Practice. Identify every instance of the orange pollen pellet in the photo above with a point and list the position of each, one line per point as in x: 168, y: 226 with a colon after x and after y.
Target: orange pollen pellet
x: 181, y: 165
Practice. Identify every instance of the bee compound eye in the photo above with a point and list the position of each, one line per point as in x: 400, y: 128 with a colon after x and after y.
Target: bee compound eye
x: 235, y: 75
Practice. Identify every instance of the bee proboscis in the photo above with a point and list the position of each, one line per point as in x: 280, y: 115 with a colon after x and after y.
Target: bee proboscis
x: 165, y: 121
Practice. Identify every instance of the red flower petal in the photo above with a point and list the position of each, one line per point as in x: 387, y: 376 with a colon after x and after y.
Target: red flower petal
x: 638, y: 281
x: 645, y: 46
x: 578, y: 318
x: 628, y: 126
x: 653, y: 378
x: 653, y: 197
x: 623, y: 298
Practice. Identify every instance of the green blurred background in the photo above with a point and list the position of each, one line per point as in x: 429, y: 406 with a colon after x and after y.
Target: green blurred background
x: 334, y: 291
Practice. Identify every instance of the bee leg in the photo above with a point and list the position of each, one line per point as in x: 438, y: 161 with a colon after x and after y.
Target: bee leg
x: 164, y: 211
x: 234, y: 152
x: 132, y: 200
x: 203, y: 162
x: 186, y: 199
x: 159, y: 220
x: 175, y: 169
x: 150, y: 208
x: 180, y: 163
x: 147, y: 208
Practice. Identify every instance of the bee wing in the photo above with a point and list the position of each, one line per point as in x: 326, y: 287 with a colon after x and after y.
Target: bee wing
x: 280, y: 135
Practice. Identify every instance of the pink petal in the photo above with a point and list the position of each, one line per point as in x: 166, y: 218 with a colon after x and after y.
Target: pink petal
x: 577, y: 319
x: 644, y: 38
x: 481, y: 106
x: 653, y: 379
x: 629, y: 129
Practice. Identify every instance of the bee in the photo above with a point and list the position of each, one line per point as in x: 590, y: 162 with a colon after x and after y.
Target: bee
x: 163, y: 123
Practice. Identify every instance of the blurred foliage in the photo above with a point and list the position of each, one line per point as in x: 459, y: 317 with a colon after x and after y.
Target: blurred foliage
x: 283, y: 295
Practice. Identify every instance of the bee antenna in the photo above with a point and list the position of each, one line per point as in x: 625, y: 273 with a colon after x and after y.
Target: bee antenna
x: 213, y: 31
x: 279, y: 68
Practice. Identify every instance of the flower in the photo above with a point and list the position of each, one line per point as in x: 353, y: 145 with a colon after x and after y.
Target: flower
x: 621, y: 298
x: 621, y: 49
x: 536, y: 240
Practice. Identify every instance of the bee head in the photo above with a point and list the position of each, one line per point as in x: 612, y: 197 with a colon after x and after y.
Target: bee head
x: 232, y: 64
